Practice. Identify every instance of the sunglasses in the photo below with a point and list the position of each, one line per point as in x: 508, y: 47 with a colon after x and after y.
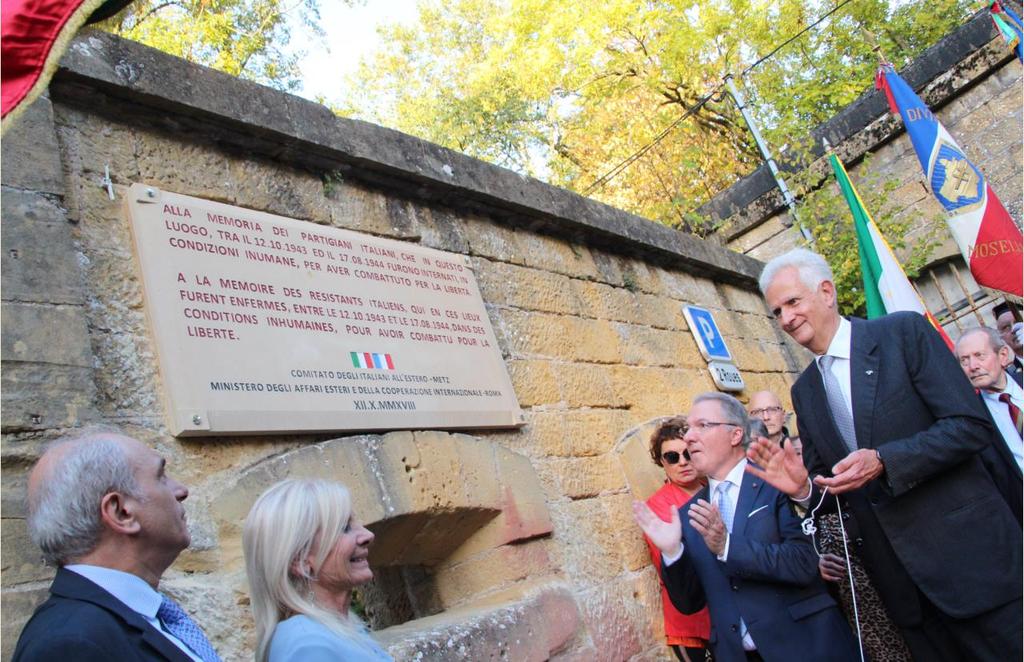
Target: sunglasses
x: 671, y: 457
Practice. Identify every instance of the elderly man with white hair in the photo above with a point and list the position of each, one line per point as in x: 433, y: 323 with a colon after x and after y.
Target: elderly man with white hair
x: 103, y: 509
x: 891, y: 425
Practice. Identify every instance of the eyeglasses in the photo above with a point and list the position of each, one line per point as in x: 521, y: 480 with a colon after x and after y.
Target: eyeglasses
x: 765, y: 410
x: 671, y: 457
x: 704, y: 426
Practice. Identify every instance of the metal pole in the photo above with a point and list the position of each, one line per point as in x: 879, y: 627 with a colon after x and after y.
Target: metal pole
x: 767, y: 155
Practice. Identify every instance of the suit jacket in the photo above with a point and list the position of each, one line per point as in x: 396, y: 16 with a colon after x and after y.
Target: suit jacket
x: 934, y: 520
x: 770, y: 579
x: 82, y: 622
x: 1003, y: 467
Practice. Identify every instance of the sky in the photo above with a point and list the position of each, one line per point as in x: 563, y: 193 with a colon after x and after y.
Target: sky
x: 351, y: 34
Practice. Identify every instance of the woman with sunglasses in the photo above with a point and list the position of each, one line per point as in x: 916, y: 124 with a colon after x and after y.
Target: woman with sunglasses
x: 687, y: 636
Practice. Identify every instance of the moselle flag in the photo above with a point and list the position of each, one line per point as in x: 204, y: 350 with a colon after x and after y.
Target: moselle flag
x: 886, y: 286
x: 988, y: 238
x: 1009, y: 25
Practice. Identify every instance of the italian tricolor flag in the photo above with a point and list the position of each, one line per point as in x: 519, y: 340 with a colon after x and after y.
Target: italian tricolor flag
x: 886, y: 288
x: 372, y: 360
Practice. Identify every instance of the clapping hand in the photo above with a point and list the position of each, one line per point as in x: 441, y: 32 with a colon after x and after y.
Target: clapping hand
x: 782, y: 468
x: 666, y: 536
x: 707, y: 521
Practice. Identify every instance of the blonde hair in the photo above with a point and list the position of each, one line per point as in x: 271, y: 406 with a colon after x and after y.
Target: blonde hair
x: 289, y: 521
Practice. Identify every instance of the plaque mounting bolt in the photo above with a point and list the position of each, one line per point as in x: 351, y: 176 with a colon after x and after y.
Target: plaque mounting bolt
x: 150, y: 193
x: 197, y: 419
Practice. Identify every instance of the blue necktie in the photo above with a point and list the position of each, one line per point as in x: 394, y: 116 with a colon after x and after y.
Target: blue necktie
x: 178, y: 623
x: 725, y: 507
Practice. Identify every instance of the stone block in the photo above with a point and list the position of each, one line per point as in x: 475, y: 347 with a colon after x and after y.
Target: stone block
x: 17, y: 606
x: 495, y: 569
x: 38, y: 263
x: 34, y: 333
x: 494, y: 241
x: 535, y: 382
x: 645, y: 346
x: 23, y: 562
x: 276, y: 189
x: 44, y: 396
x: 353, y: 207
x: 14, y: 473
x: 220, y: 605
x: 742, y: 300
x: 606, y: 612
x: 525, y: 288
x: 527, y: 626
x: 587, y: 385
x: 687, y: 289
x: 558, y: 336
x: 557, y: 256
x: 659, y: 312
x: 580, y: 525
x: 30, y: 154
x: 90, y: 144
x: 652, y: 392
x: 581, y: 478
x: 590, y: 432
x: 102, y: 224
x: 444, y: 231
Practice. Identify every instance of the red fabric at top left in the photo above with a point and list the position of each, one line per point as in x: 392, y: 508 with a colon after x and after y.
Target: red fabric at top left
x: 28, y: 31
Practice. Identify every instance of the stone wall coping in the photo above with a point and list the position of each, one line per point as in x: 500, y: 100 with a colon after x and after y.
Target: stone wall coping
x: 180, y: 96
x: 945, y: 59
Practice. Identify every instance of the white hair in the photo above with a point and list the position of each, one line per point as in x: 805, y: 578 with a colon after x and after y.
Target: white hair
x: 812, y: 268
x: 289, y: 521
x: 64, y: 518
x: 995, y: 340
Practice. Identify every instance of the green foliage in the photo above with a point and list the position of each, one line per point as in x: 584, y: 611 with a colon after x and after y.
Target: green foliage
x: 827, y: 214
x: 569, y: 91
x: 245, y: 38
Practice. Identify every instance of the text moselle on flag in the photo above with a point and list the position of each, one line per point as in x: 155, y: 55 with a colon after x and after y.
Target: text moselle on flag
x: 886, y: 287
x: 987, y: 236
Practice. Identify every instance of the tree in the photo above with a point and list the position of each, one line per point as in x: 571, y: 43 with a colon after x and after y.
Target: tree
x: 589, y: 96
x: 245, y: 38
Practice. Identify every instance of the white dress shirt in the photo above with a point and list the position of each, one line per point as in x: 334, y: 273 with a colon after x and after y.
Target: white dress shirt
x: 135, y: 593
x: 1001, y: 415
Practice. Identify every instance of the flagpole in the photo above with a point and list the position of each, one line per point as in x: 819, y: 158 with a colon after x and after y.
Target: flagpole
x: 787, y: 196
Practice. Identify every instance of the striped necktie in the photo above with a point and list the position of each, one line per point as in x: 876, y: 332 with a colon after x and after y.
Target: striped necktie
x: 1015, y: 414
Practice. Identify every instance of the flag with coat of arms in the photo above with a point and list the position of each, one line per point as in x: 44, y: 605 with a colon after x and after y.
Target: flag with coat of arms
x: 988, y: 238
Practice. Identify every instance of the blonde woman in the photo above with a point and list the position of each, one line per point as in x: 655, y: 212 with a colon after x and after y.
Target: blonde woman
x: 304, y: 554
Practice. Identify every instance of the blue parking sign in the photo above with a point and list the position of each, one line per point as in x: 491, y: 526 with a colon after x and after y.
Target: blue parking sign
x: 705, y: 332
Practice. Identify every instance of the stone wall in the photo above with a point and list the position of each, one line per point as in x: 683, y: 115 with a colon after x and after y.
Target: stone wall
x: 491, y: 544
x: 973, y: 83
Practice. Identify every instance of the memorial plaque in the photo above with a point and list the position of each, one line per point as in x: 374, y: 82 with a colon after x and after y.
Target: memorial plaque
x: 268, y: 324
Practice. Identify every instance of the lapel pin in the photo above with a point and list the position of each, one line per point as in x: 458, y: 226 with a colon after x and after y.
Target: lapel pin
x: 869, y: 372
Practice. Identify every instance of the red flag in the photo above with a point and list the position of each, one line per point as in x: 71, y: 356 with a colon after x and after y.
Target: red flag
x: 33, y: 36
x: 988, y: 238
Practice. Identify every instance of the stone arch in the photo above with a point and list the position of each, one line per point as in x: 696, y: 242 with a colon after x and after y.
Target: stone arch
x: 459, y: 557
x: 631, y: 449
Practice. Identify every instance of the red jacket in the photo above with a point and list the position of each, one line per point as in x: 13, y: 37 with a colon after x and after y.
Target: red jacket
x: 668, y: 498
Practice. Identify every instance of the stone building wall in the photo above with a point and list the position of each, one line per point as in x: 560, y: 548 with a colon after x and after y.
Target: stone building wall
x: 492, y: 544
x: 973, y: 83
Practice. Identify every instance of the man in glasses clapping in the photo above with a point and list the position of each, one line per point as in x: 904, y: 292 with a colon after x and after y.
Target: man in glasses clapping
x: 737, y: 548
